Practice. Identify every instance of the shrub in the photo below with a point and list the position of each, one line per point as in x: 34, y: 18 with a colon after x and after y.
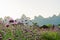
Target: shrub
x: 58, y: 24
x: 44, y: 26
x: 49, y: 25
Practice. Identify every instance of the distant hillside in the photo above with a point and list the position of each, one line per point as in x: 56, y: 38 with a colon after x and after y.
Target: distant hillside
x: 39, y: 20
x: 50, y: 20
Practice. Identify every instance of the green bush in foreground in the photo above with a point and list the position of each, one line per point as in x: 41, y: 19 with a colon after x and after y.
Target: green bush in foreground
x: 50, y: 36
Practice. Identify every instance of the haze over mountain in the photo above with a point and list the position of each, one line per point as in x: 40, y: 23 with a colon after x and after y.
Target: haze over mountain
x: 50, y: 20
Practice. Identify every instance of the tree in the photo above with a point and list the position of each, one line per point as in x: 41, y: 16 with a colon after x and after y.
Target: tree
x: 35, y: 24
x: 58, y: 24
x: 44, y: 26
x: 49, y: 25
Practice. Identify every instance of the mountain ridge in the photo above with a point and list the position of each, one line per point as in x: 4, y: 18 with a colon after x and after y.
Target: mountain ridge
x: 50, y: 20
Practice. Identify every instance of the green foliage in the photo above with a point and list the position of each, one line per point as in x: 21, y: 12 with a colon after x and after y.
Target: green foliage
x: 49, y: 25
x: 2, y: 33
x: 58, y: 24
x: 19, y: 35
x: 8, y: 35
x: 44, y: 26
x: 50, y: 36
x: 35, y: 24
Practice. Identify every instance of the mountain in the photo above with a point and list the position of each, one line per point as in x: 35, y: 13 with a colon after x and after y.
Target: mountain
x: 50, y: 20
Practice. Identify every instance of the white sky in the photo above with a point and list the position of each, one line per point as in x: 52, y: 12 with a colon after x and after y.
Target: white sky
x: 31, y: 8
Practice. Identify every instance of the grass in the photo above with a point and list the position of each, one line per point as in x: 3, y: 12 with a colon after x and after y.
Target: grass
x: 50, y: 36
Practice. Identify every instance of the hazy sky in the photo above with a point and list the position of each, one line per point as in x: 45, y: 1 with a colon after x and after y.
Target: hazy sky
x: 31, y: 8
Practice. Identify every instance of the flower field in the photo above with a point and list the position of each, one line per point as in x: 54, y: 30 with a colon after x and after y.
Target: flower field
x: 21, y: 32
